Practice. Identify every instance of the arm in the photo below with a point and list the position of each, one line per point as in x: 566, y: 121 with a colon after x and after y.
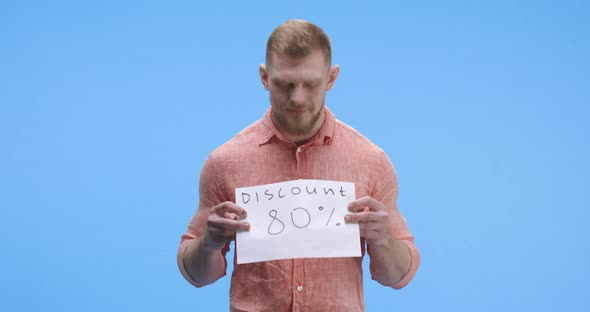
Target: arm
x: 204, y: 264
x: 394, y: 257
x: 201, y: 254
x: 391, y: 258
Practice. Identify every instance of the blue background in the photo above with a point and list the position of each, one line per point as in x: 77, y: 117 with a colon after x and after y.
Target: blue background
x: 108, y: 110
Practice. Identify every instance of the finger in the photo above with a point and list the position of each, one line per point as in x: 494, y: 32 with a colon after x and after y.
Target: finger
x: 365, y: 216
x: 230, y: 215
x: 220, y: 235
x: 216, y: 240
x: 365, y: 202
x: 228, y: 206
x: 228, y: 225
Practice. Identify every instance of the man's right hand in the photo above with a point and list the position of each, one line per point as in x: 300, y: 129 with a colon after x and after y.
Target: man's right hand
x: 224, y: 221
x: 202, y: 258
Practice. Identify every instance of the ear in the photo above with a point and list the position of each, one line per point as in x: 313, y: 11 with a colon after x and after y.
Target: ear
x: 263, y: 76
x: 332, y: 75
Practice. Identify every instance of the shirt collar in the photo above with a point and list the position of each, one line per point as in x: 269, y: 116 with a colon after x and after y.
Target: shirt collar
x: 324, y: 135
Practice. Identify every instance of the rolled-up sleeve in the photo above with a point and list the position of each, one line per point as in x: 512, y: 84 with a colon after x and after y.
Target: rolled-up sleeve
x: 386, y: 191
x: 210, y: 194
x: 413, y: 267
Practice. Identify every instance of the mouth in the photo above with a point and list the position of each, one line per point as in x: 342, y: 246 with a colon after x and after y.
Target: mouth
x: 296, y: 110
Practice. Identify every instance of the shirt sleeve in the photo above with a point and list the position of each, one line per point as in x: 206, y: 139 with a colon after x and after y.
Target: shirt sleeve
x: 385, y: 190
x: 210, y: 194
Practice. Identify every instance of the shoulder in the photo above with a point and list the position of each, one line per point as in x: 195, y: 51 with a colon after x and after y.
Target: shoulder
x: 368, y: 162
x: 352, y: 137
x: 245, y: 140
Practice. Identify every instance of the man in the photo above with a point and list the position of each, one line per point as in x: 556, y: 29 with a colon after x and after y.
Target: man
x: 298, y: 138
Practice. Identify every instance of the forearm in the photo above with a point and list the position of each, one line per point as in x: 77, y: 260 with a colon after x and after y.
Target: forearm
x: 390, y: 261
x: 204, y: 263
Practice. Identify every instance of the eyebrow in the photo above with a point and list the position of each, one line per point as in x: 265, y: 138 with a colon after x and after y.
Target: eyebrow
x: 278, y: 80
x: 281, y: 81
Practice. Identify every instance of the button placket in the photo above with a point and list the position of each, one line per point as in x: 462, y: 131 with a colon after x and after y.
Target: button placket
x: 298, y: 156
x: 298, y: 282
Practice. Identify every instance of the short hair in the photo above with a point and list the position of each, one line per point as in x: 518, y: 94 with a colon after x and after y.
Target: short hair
x: 298, y: 38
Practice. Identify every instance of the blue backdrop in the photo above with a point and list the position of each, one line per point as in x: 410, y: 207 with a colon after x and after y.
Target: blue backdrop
x: 108, y: 110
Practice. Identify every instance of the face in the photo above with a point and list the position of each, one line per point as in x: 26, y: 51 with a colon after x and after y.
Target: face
x: 297, y: 88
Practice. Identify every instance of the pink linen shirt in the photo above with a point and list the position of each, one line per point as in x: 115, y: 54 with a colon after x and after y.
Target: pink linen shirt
x: 259, y: 154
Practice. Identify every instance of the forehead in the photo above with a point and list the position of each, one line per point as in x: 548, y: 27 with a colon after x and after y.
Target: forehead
x: 311, y: 66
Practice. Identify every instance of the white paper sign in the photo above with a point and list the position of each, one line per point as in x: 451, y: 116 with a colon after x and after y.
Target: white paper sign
x: 297, y: 219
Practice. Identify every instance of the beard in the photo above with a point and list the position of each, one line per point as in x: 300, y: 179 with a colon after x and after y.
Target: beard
x: 298, y: 126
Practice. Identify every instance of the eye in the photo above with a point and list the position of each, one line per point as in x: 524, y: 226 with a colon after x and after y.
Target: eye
x: 312, y: 84
x: 282, y: 84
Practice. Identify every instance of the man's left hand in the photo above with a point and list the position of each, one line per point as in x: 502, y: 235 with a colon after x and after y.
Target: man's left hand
x: 373, y: 220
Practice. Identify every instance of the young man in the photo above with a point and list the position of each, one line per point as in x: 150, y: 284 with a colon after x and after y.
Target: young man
x: 298, y: 138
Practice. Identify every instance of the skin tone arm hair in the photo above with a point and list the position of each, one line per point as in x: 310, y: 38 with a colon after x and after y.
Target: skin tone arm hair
x: 390, y: 257
x: 203, y: 259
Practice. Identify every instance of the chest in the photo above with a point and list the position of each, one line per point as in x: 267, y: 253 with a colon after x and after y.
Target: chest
x: 273, y: 164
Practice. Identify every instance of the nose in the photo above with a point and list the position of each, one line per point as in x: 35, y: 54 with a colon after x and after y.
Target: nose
x: 297, y: 95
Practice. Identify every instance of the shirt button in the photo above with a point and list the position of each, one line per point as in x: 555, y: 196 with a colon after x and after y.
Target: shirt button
x: 299, y: 149
x: 299, y: 288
